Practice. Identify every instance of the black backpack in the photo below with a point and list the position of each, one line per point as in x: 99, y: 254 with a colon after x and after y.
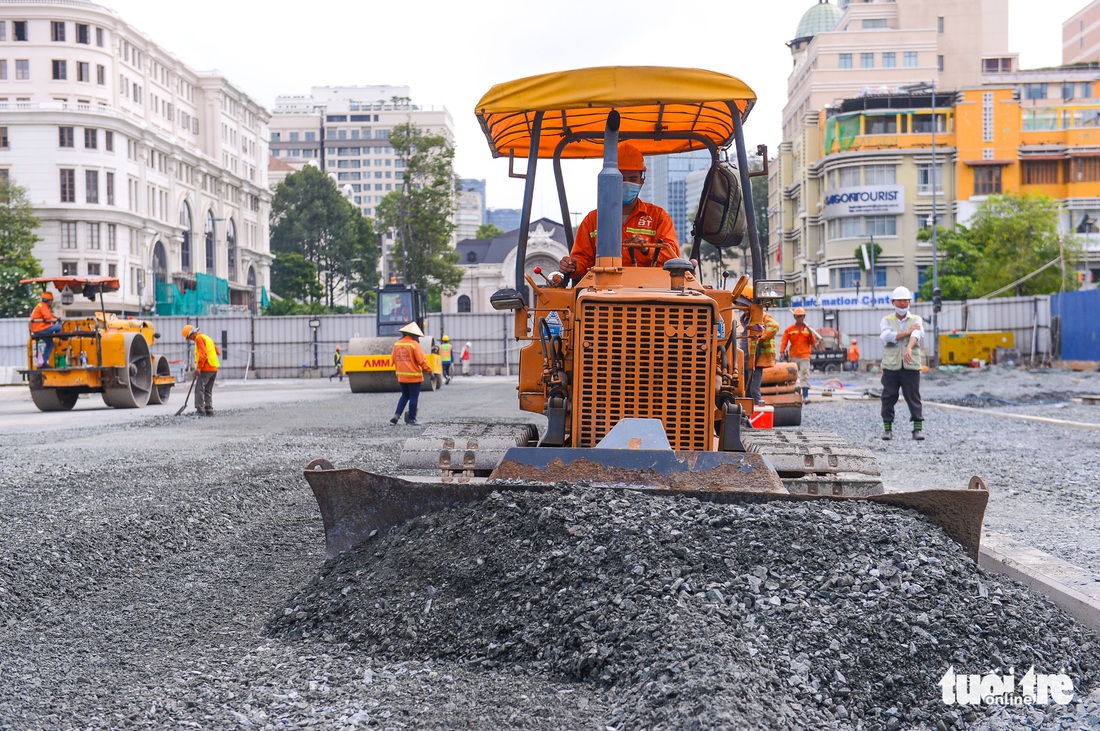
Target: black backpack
x: 720, y: 219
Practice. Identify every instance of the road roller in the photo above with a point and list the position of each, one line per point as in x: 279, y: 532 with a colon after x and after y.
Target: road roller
x: 369, y: 365
x: 102, y: 354
x: 367, y: 362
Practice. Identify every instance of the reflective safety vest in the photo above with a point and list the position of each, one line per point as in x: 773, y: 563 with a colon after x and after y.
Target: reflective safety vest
x: 893, y: 354
x: 206, y: 353
x: 445, y: 352
x: 409, y: 361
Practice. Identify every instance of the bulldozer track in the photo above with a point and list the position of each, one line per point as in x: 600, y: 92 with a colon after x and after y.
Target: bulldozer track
x: 817, y: 462
x: 464, y: 450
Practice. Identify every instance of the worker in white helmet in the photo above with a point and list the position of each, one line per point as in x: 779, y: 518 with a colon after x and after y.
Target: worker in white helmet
x: 465, y: 358
x: 902, y: 360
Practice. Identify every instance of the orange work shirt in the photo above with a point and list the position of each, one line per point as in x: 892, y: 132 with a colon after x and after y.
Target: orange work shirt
x: 853, y: 353
x: 409, y: 361
x: 647, y: 220
x: 41, y: 317
x: 800, y: 340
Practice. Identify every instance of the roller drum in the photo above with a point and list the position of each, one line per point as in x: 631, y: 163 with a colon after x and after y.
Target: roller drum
x: 160, y: 394
x: 128, y: 385
x: 370, y: 381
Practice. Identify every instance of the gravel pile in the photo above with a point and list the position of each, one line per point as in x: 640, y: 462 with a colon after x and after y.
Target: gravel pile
x: 146, y: 571
x: 694, y: 615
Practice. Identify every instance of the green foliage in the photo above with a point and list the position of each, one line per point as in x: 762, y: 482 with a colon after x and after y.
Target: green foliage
x: 876, y: 257
x: 17, y: 240
x: 295, y: 278
x: 1018, y: 234
x: 959, y: 259
x: 420, y: 212
x: 279, y: 307
x: 488, y: 231
x: 312, y: 219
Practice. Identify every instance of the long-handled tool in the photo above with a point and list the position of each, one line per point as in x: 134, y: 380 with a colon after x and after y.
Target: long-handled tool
x: 188, y: 396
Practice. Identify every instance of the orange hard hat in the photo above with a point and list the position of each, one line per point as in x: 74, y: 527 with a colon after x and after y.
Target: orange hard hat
x: 187, y: 330
x: 337, y: 347
x: 47, y: 296
x: 799, y: 311
x: 747, y: 291
x: 630, y: 158
x: 853, y: 341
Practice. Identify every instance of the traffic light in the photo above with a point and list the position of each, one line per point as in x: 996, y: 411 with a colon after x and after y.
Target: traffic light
x: 937, y: 300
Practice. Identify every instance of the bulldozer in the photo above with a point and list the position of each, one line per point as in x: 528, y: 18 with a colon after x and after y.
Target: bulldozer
x: 637, y: 369
x: 102, y: 354
x: 368, y: 363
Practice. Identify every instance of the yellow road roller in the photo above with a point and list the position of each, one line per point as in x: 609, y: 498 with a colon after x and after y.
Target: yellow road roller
x: 100, y: 354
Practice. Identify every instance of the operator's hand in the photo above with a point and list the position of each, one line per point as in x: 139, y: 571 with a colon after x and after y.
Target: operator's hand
x: 908, y: 357
x: 636, y: 239
x: 567, y: 266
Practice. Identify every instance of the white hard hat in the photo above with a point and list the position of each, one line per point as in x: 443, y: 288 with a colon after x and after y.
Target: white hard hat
x: 901, y: 293
x: 467, y: 343
x: 412, y: 329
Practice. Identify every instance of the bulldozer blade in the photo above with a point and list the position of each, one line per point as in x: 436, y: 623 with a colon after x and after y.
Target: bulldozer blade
x: 661, y: 468
x: 355, y: 504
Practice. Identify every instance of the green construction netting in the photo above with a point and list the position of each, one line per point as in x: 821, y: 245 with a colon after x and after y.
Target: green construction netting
x: 209, y: 290
x: 841, y: 131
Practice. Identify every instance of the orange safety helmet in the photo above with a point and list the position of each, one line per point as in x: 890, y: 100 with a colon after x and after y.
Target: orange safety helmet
x: 630, y: 158
x: 47, y: 296
x: 187, y: 330
x: 337, y: 348
x: 853, y: 341
x: 799, y: 311
x: 747, y: 291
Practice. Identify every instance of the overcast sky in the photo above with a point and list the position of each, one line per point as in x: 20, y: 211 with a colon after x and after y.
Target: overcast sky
x: 451, y: 53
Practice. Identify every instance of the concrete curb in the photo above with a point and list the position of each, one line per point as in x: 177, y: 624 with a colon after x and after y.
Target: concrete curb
x: 1072, y: 588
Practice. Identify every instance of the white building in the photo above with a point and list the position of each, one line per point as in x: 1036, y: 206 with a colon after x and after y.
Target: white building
x: 127, y: 155
x: 355, y: 124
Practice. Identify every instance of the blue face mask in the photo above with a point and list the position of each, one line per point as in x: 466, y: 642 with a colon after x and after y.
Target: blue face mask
x: 630, y: 192
x: 901, y: 313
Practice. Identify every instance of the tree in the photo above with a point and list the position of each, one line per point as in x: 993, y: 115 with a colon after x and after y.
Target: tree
x: 311, y: 218
x: 488, y: 231
x: 420, y: 212
x: 17, y: 240
x: 294, y: 278
x: 1017, y: 235
x: 958, y: 263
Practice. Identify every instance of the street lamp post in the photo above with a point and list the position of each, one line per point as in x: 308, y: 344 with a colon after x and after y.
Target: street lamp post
x: 933, y: 222
x: 347, y: 281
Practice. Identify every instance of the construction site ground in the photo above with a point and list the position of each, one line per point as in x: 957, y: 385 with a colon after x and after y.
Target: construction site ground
x: 164, y: 572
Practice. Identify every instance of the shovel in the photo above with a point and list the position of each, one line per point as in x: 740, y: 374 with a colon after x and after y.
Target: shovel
x: 188, y: 396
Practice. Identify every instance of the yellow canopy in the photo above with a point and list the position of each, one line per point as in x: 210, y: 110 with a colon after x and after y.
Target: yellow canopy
x: 649, y: 99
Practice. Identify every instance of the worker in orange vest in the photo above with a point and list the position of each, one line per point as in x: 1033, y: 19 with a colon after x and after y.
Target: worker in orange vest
x: 797, y: 345
x: 411, y: 365
x: 43, y: 322
x: 206, y: 369
x: 853, y: 356
x: 643, y: 223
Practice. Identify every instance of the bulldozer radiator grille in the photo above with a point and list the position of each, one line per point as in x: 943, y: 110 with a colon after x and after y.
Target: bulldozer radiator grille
x: 644, y: 360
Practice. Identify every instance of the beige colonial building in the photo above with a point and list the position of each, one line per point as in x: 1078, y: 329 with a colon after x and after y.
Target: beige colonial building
x: 137, y: 166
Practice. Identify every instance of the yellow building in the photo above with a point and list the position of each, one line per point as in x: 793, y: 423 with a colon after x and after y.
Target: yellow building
x: 875, y: 176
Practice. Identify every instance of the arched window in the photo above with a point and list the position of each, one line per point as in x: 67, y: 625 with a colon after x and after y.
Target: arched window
x: 231, y: 248
x: 208, y: 230
x: 185, y: 247
x: 463, y: 303
x: 160, y: 272
x: 253, y: 293
x: 471, y: 257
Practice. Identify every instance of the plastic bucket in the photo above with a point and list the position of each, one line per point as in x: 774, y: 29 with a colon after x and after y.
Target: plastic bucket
x: 763, y: 417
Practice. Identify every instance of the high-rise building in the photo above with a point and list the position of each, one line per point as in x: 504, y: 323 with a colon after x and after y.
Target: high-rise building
x: 666, y: 185
x: 136, y: 165
x: 870, y: 50
x: 1081, y: 36
x: 354, y: 123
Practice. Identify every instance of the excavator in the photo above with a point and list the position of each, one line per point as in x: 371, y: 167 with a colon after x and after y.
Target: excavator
x: 639, y: 371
